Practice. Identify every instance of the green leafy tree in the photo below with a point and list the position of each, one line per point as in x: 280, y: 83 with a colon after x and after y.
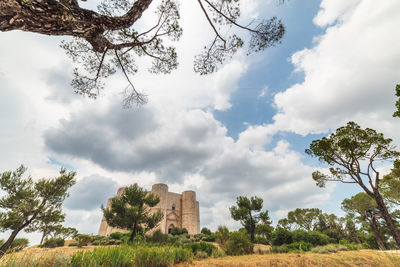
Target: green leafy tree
x: 306, y: 219
x: 113, y: 38
x: 353, y: 153
x: 248, y: 212
x: 367, y: 210
x: 131, y: 211
x: 390, y: 185
x: 397, y: 112
x: 27, y: 202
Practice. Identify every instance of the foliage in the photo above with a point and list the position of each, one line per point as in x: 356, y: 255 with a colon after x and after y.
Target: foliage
x: 397, y: 112
x: 18, y: 244
x: 116, y: 235
x: 106, y: 240
x: 201, y: 247
x: 306, y: 219
x: 313, y: 237
x: 293, y: 247
x: 83, y: 240
x: 239, y: 243
x: 157, y: 237
x: 53, y: 242
x: 222, y: 235
x: 281, y: 236
x: 27, y: 202
x: 390, y: 184
x: 132, y: 256
x: 178, y: 231
x: 352, y: 154
x: 205, y: 231
x: 131, y: 211
x: 248, y: 212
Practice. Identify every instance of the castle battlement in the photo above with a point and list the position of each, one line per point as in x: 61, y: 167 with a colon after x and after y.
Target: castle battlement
x: 180, y: 210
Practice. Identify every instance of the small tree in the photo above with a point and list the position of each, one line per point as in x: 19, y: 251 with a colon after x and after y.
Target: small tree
x: 131, y: 211
x: 248, y: 213
x: 27, y: 202
x: 352, y: 153
x: 205, y: 231
x: 222, y: 235
x: 367, y: 210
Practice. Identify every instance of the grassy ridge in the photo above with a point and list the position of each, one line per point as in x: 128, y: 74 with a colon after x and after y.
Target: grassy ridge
x: 369, y: 258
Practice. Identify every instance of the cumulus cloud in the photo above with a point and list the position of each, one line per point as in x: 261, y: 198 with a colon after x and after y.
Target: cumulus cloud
x: 190, y: 149
x: 90, y: 192
x: 350, y: 73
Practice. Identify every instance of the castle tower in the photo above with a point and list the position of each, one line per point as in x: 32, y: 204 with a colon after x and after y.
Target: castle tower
x: 161, y: 190
x: 190, y: 212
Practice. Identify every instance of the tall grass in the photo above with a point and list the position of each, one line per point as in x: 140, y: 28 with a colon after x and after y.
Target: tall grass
x: 131, y: 256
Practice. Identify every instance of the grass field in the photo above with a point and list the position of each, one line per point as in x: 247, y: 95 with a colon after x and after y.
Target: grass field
x: 369, y: 258
x: 60, y: 257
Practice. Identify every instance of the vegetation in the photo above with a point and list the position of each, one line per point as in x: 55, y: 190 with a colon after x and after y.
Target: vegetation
x: 248, y: 212
x: 29, y: 204
x: 111, y: 39
x: 131, y: 211
x: 346, y: 151
x: 397, y: 112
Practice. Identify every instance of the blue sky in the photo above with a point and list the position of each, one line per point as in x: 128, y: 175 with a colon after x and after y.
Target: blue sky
x: 219, y: 134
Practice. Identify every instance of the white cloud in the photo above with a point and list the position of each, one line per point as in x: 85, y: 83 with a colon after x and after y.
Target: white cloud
x: 350, y: 73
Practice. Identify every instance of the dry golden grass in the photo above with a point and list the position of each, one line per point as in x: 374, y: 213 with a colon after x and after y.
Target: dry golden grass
x: 368, y: 258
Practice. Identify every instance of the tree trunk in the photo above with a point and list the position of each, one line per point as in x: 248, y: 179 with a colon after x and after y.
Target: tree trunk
x: 376, y: 233
x: 7, y: 244
x: 385, y: 213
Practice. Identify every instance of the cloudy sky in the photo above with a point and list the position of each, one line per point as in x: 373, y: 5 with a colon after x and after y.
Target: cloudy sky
x: 240, y: 131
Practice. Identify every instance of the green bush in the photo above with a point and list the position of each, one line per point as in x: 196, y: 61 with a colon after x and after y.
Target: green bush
x: 314, y: 237
x: 178, y: 231
x: 53, y: 242
x: 202, y: 246
x: 73, y: 244
x: 205, y: 231
x: 239, y: 243
x: 261, y: 240
x: 83, y: 240
x: 281, y: 236
x: 117, y: 235
x: 280, y: 249
x: 299, y: 246
x: 157, y: 237
x: 141, y: 256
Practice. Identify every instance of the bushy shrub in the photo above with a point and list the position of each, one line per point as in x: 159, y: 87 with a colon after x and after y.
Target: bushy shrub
x: 222, y: 235
x: 83, y: 240
x: 178, y: 231
x: 314, y: 237
x: 157, y: 237
x: 281, y: 236
x: 116, y: 235
x: 299, y: 246
x: 239, y: 243
x: 205, y: 231
x: 280, y: 249
x: 53, y: 242
x: 202, y: 255
x: 202, y: 246
x: 209, y: 238
x: 73, y: 244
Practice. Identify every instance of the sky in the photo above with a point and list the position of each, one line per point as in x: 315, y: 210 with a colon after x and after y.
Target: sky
x: 240, y: 131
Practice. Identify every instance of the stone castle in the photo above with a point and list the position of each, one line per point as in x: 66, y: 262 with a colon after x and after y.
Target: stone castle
x: 180, y: 210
